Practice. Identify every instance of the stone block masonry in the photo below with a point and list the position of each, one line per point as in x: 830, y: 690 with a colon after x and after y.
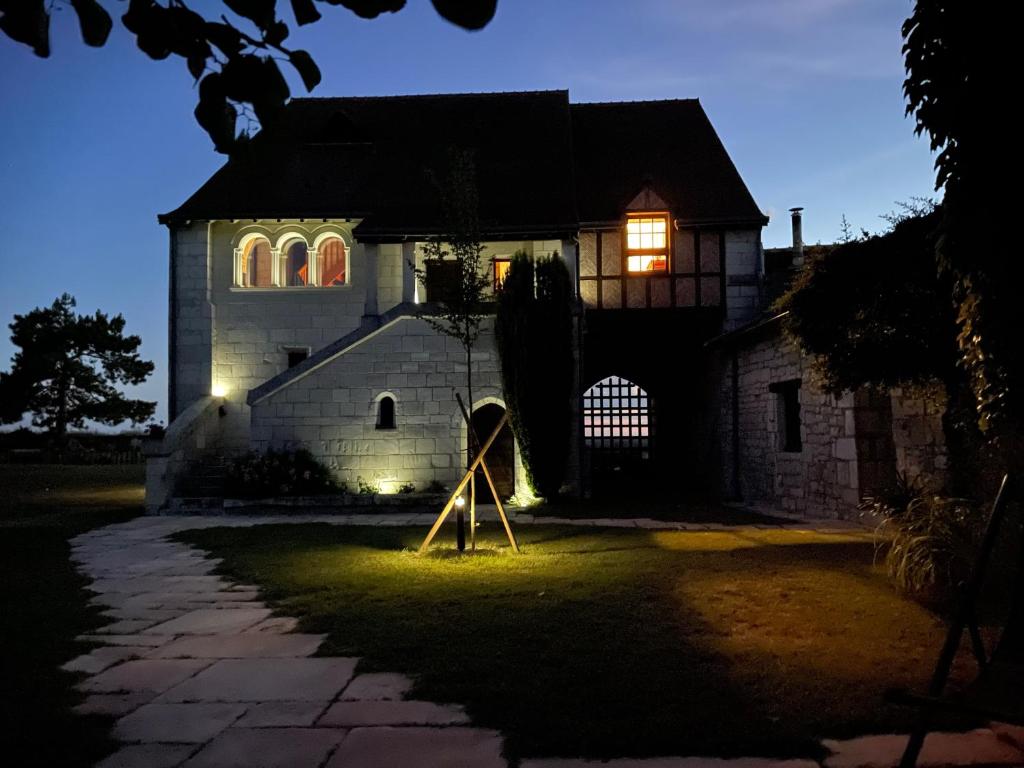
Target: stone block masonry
x: 332, y: 411
x: 850, y: 446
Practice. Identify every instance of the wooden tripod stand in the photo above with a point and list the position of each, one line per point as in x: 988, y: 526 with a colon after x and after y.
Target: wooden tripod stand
x: 469, y: 478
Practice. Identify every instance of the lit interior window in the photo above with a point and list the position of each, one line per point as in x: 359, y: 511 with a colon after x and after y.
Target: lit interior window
x: 296, y: 267
x: 647, y: 243
x: 332, y: 260
x: 256, y: 269
x: 500, y: 269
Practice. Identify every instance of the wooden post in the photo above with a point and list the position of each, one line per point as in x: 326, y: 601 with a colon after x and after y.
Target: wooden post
x: 472, y: 511
x: 475, y: 442
x: 462, y: 484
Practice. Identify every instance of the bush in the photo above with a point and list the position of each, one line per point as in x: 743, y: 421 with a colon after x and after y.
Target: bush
x: 931, y: 539
x: 278, y: 473
x: 533, y: 333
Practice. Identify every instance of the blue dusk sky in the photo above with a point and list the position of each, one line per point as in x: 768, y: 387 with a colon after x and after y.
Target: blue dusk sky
x: 805, y: 94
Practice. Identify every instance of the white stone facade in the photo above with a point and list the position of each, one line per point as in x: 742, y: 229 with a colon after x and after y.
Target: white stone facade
x: 333, y: 410
x: 227, y: 340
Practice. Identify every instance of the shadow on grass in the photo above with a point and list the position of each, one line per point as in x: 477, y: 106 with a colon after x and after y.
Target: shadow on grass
x: 44, y: 605
x: 610, y: 643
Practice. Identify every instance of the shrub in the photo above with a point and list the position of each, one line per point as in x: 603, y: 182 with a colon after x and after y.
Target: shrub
x: 930, y: 538
x: 407, y: 488
x: 278, y: 473
x: 367, y: 487
x: 533, y: 333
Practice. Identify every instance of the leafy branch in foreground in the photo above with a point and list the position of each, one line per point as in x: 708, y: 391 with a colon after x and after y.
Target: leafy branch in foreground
x: 237, y: 71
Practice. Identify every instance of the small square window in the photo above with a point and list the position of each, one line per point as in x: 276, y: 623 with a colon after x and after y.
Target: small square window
x: 647, y: 243
x: 296, y: 356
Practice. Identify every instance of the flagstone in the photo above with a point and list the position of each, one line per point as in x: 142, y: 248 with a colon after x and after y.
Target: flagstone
x: 275, y: 624
x: 279, y: 714
x: 316, y: 679
x: 207, y: 621
x: 367, y: 713
x: 125, y: 627
x: 114, y: 704
x: 257, y: 645
x: 143, y: 675
x: 978, y: 747
x: 148, y: 756
x: 184, y: 723
x: 383, y: 686
x: 268, y: 748
x: 89, y: 663
x: 151, y: 641
x: 388, y: 747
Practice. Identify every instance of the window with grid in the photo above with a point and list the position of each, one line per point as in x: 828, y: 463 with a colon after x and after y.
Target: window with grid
x: 616, y: 416
x: 647, y: 243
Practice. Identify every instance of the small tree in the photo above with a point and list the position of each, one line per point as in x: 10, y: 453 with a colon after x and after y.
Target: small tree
x: 67, y: 368
x: 460, y: 311
x: 534, y: 337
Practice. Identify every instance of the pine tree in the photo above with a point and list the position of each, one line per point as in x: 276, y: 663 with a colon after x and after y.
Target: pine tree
x: 67, y: 369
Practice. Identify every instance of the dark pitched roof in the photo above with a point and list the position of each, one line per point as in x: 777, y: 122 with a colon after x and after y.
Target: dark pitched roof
x: 670, y: 146
x: 375, y: 158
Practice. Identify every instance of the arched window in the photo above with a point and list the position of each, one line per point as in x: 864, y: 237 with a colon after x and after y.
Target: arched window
x: 332, y: 262
x: 256, y: 268
x: 616, y: 417
x: 296, y: 264
x: 386, y: 413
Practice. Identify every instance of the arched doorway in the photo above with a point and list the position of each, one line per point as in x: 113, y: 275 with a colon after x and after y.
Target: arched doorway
x: 501, y: 456
x: 618, y: 430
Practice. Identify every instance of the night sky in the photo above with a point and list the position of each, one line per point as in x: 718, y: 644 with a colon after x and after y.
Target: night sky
x: 95, y: 142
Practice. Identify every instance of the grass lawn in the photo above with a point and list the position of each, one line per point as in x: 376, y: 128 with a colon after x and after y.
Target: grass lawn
x: 669, y: 509
x: 612, y: 642
x: 43, y: 605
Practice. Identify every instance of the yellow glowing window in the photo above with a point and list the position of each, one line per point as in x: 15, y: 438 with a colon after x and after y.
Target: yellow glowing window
x: 500, y: 269
x: 647, y: 243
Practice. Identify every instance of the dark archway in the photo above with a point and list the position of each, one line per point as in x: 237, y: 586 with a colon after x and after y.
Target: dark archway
x: 501, y: 457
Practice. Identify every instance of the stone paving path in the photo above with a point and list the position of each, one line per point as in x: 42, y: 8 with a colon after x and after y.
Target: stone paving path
x: 199, y: 674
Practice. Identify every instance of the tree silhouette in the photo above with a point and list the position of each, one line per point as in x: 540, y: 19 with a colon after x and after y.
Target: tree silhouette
x: 957, y: 68
x: 237, y: 71
x: 67, y: 369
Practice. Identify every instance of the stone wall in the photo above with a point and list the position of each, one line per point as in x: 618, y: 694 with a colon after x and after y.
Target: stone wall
x: 228, y: 340
x: 191, y: 318
x: 918, y: 437
x: 818, y: 480
x: 332, y: 411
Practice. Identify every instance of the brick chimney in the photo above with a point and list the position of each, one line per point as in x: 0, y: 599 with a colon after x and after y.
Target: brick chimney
x: 798, y: 236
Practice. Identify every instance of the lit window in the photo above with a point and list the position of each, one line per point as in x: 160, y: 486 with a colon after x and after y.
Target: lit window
x: 256, y: 269
x: 332, y: 262
x: 296, y: 264
x: 647, y: 243
x: 500, y: 269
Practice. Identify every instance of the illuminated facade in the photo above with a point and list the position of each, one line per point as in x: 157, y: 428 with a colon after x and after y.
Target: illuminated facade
x: 295, y: 307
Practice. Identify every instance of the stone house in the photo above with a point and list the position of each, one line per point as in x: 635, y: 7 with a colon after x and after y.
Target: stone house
x: 295, y: 314
x: 784, y: 443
